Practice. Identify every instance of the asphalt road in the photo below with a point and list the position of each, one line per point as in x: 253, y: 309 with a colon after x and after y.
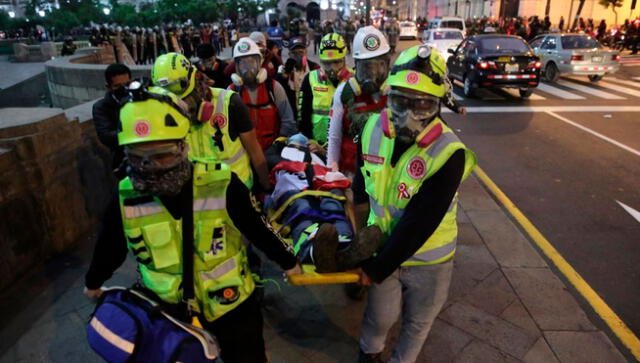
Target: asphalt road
x: 569, y: 171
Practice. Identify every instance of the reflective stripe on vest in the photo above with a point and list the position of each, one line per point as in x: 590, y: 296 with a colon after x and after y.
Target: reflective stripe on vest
x: 210, y: 204
x: 219, y: 271
x: 142, y: 210
x: 390, y: 188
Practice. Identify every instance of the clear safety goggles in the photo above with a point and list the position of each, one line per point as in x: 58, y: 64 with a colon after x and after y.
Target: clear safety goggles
x: 158, y: 157
x: 421, y: 105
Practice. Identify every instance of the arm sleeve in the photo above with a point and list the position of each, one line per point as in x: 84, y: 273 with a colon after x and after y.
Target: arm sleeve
x: 245, y: 214
x: 111, y: 247
x: 357, y: 186
x: 106, y: 130
x: 288, y: 125
x: 335, y: 128
x: 306, y: 108
x: 420, y: 219
x: 239, y: 120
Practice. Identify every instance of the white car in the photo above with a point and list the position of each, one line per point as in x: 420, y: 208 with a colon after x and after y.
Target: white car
x: 442, y: 39
x: 448, y: 22
x: 408, y: 30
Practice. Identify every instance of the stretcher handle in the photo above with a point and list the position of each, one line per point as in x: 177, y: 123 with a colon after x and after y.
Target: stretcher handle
x: 323, y: 279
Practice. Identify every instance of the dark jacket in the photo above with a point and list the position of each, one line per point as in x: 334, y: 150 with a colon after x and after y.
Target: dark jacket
x: 106, y: 115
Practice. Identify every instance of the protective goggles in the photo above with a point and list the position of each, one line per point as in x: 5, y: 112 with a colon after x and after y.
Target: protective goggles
x: 421, y: 105
x: 160, y: 157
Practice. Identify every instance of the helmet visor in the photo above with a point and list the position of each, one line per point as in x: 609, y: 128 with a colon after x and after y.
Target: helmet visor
x: 156, y: 157
x: 374, y: 69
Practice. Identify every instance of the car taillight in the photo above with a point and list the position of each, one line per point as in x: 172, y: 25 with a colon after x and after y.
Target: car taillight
x: 577, y: 58
x: 535, y: 64
x: 486, y: 65
x: 615, y: 57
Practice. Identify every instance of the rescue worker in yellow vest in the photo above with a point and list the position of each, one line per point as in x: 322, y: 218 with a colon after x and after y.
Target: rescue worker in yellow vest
x: 411, y: 165
x: 168, y: 201
x: 318, y: 87
x: 220, y: 126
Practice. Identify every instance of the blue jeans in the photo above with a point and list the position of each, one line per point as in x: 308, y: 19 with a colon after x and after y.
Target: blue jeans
x: 417, y: 293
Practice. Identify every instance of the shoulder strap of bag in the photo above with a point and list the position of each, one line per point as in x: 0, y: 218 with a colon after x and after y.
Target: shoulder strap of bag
x: 188, y: 294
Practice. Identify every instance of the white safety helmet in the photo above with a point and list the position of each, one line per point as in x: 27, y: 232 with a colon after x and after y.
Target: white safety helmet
x: 369, y: 42
x: 245, y: 47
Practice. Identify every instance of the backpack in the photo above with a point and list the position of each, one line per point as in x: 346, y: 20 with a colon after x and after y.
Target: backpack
x: 127, y: 326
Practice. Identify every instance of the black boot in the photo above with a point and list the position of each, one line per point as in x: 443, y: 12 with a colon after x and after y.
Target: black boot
x: 363, y: 246
x: 325, y: 244
x: 369, y: 357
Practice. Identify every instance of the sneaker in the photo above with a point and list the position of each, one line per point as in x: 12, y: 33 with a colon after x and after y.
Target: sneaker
x: 363, y: 246
x: 325, y: 244
x: 369, y: 357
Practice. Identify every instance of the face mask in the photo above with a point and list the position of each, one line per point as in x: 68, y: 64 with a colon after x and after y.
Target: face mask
x: 411, y: 113
x: 163, y: 183
x: 160, y: 171
x: 333, y: 70
x: 120, y: 95
x: 371, y: 73
x: 248, y: 68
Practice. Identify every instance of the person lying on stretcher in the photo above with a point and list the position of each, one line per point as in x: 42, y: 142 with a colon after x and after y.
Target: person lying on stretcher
x: 308, y: 203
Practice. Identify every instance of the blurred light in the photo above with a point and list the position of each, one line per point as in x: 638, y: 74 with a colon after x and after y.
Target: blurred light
x: 334, y: 6
x: 324, y: 4
x: 41, y: 13
x: 106, y: 11
x: 12, y: 14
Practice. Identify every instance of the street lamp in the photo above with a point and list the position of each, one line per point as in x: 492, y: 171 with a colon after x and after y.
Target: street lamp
x: 106, y: 11
x: 12, y: 14
x: 41, y: 13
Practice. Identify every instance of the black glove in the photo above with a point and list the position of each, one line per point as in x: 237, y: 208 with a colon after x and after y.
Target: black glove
x: 289, y: 65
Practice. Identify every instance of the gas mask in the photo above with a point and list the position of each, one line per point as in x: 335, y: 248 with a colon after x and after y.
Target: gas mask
x: 161, y: 170
x: 248, y: 68
x: 411, y: 113
x: 120, y: 94
x: 371, y: 73
x: 300, y: 58
x: 334, y: 70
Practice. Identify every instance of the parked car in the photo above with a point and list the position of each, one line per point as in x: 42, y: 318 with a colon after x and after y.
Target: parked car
x: 495, y: 61
x: 577, y: 54
x: 408, y: 30
x: 442, y: 39
x: 448, y: 22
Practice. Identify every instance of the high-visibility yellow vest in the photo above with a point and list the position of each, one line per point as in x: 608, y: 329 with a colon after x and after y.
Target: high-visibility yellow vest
x: 322, y: 91
x: 390, y: 188
x: 212, y: 140
x: 222, y: 279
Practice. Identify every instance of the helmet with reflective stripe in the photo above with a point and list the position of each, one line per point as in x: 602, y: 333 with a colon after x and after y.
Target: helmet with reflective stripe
x: 174, y: 72
x: 369, y: 42
x: 245, y: 47
x: 420, y: 69
x: 332, y: 47
x: 152, y: 115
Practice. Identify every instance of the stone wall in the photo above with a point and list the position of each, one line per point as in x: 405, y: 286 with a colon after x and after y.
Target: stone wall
x: 41, y: 52
x: 79, y: 78
x: 54, y: 183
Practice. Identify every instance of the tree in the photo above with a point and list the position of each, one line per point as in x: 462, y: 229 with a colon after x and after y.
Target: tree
x: 614, y: 4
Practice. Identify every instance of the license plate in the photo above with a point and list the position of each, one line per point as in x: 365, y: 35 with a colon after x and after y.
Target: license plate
x: 511, y: 67
x: 596, y: 59
x: 504, y: 59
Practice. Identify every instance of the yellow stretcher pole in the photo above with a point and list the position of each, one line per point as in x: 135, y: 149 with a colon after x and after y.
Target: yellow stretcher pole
x: 323, y: 279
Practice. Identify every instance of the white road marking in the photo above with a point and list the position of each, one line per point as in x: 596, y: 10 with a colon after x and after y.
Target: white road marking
x: 620, y: 89
x: 559, y: 92
x: 534, y: 109
x: 590, y: 90
x: 622, y: 81
x: 515, y: 93
x: 597, y: 134
x: 634, y: 213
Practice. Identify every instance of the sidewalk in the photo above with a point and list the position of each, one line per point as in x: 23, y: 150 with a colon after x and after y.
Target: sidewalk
x: 505, y: 305
x: 13, y: 73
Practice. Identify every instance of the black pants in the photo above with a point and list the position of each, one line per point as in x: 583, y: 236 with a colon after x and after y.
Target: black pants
x: 239, y: 333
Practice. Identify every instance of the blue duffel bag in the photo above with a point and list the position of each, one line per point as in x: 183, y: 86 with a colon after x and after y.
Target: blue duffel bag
x: 127, y: 326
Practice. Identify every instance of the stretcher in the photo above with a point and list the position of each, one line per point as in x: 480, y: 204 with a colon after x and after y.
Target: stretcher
x: 309, y: 276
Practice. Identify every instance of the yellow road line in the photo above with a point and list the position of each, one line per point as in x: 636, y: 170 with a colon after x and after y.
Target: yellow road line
x: 614, y: 322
